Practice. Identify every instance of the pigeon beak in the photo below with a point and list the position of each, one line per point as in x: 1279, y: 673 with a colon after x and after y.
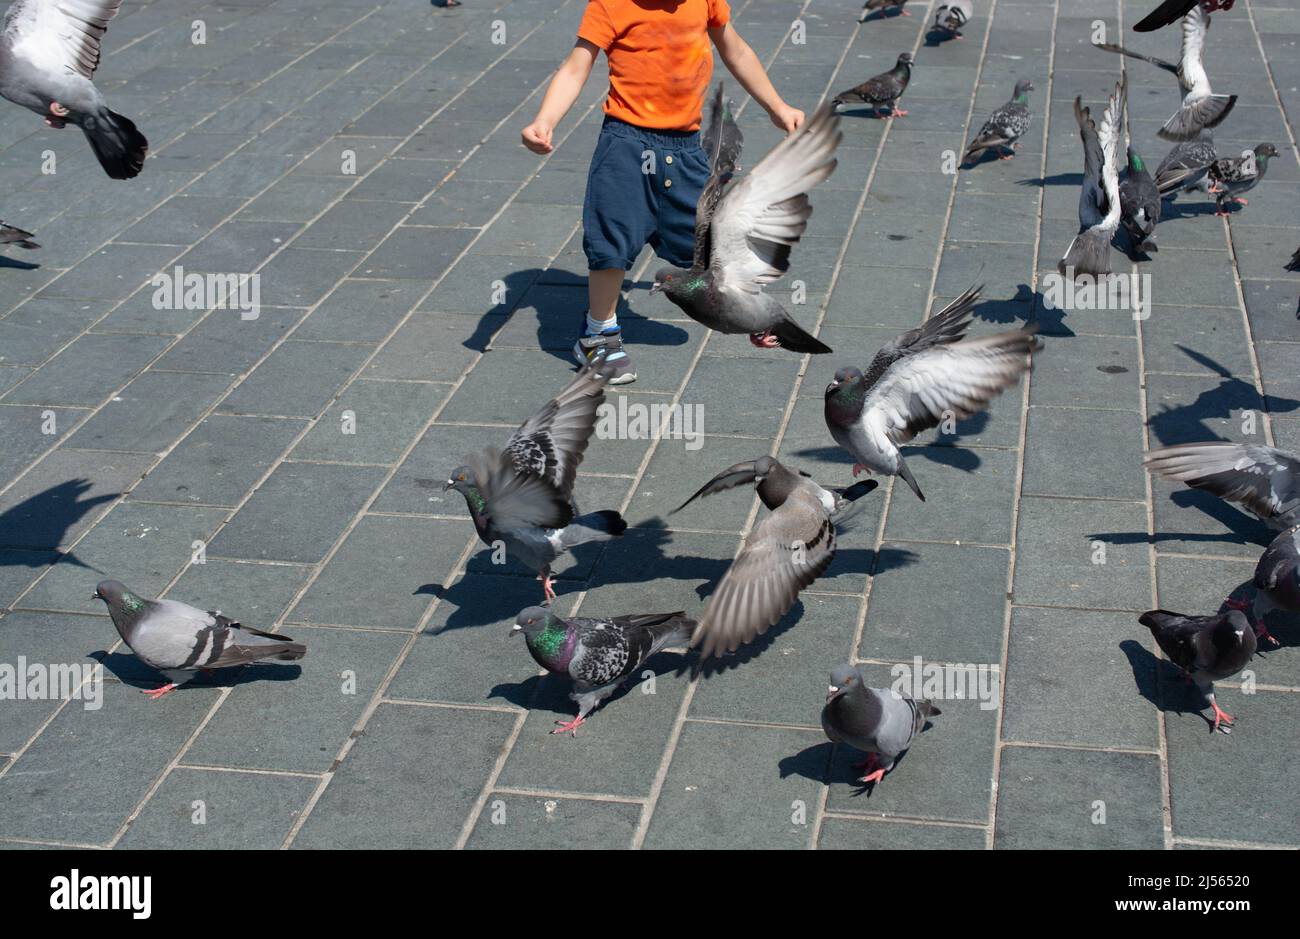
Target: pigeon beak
x: 516, y: 628
x: 448, y: 486
x: 831, y: 692
x: 655, y: 288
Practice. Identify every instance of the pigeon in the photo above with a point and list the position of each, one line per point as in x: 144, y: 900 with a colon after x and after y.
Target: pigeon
x: 879, y: 722
x: 1294, y: 263
x: 1231, y: 177
x: 786, y: 551
x: 178, y: 639
x: 1139, y: 203
x: 1206, y: 648
x: 16, y: 236
x: 598, y: 654
x: 1186, y: 166
x: 1277, y: 582
x: 743, y: 237
x: 1171, y: 10
x: 1263, y: 481
x: 872, y: 5
x: 1201, y: 108
x: 523, y: 496
x: 951, y: 17
x: 881, y: 91
x: 1006, y: 126
x: 1099, y: 205
x: 916, y: 381
x: 49, y: 50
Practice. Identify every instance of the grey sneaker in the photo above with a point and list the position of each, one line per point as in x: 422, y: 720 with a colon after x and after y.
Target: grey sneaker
x: 617, y: 361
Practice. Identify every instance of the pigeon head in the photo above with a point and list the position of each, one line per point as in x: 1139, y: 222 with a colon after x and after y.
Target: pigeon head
x: 677, y: 282
x: 1264, y: 151
x: 1229, y: 633
x: 1023, y: 87
x: 843, y: 677
x: 123, y: 606
x: 847, y: 389
x: 904, y: 61
x: 461, y: 479
x: 532, y: 621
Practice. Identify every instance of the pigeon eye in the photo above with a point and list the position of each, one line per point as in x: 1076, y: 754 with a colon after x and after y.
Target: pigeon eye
x: 461, y: 477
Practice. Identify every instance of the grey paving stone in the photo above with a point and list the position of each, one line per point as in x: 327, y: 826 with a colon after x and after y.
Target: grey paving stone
x: 298, y: 513
x: 371, y: 422
x: 47, y: 641
x: 848, y: 834
x: 1110, y: 469
x: 512, y: 822
x: 481, y: 284
x: 344, y: 227
x: 183, y: 220
x: 461, y: 202
x: 1190, y: 409
x: 1086, y: 371
x: 298, y: 379
x: 360, y: 311
x: 151, y: 412
x: 1215, y: 336
x: 235, y: 811
x: 26, y: 429
x: 427, y: 347
x: 975, y: 488
x: 225, y: 342
x: 300, y: 277
x: 529, y: 230
x: 255, y: 594
x: 380, y: 795
x: 88, y: 370
x: 1060, y: 790
x: 111, y: 273
x: 239, y: 245
x: 39, y: 328
x: 295, y: 198
x: 417, y: 253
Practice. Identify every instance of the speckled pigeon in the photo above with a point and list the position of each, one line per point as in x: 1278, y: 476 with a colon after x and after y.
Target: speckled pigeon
x: 9, y: 235
x: 599, y: 654
x: 785, y: 552
x: 49, y: 51
x: 1005, y: 127
x: 1171, y: 10
x: 743, y: 237
x: 523, y: 496
x: 1099, y: 205
x: 1140, y: 205
x: 1231, y: 177
x: 877, y: 721
x: 1206, y: 648
x: 882, y: 5
x: 1262, y: 480
x: 916, y: 381
x: 880, y: 91
x: 1201, y: 108
x: 1186, y: 165
x: 178, y: 639
x: 1277, y: 581
x: 951, y: 17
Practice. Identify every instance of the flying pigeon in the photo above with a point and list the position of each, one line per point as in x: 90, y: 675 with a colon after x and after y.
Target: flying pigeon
x: 1186, y: 166
x: 872, y: 5
x: 1006, y: 126
x: 951, y: 17
x: 1206, y: 648
x: 919, y: 379
x: 879, y: 722
x: 1099, y: 205
x: 598, y: 654
x: 880, y: 91
x: 1294, y: 263
x: 1277, y: 581
x: 178, y: 639
x: 523, y: 496
x: 49, y: 51
x: 786, y: 551
x: 1263, y: 481
x: 16, y: 236
x: 1171, y: 10
x: 1201, y: 108
x: 743, y: 237
x: 1231, y: 177
x: 1139, y: 202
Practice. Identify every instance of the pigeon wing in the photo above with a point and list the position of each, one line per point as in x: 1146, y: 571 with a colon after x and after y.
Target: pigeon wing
x: 722, y: 142
x: 60, y: 37
x: 516, y: 500
x: 1263, y: 480
x: 552, y: 442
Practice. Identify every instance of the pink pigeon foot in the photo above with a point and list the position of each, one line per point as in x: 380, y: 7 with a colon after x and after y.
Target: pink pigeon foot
x: 571, y: 726
x: 546, y: 586
x: 1261, y: 632
x: 899, y: 112
x: 765, y: 340
x: 873, y: 777
x: 859, y: 468
x: 1007, y: 156
x: 157, y: 693
x: 1221, y: 716
x: 1241, y: 201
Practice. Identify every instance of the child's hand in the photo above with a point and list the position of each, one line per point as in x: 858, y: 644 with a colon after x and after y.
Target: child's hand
x: 787, y: 118
x: 537, y: 137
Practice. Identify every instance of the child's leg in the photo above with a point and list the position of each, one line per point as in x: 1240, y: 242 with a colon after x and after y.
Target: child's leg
x: 603, y: 291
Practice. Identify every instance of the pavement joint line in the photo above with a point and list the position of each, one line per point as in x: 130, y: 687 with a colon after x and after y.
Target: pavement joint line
x: 476, y: 810
x: 742, y: 722
x: 215, y: 768
x: 903, y: 820
x: 1272, y: 83
x: 454, y: 705
x: 566, y: 794
x: 1089, y: 748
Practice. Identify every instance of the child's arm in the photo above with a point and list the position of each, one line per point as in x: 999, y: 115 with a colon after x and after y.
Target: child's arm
x: 744, y: 64
x: 560, y: 95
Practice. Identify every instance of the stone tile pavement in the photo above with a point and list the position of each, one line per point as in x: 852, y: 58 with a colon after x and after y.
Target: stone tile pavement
x: 421, y: 273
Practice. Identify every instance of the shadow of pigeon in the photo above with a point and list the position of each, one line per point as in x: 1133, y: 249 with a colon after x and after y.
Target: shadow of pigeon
x: 40, y: 522
x: 9, y: 262
x: 550, y: 692
x: 128, y: 669
x: 1187, y: 423
x: 1060, y: 179
x: 1161, y: 682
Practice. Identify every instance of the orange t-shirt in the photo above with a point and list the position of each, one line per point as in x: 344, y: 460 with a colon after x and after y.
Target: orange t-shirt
x: 660, y: 60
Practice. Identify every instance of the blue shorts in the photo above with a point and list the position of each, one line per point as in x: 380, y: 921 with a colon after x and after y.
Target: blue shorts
x: 627, y: 208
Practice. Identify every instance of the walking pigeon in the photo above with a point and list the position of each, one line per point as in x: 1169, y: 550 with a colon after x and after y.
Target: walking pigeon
x: 924, y: 376
x: 1171, y: 10
x: 523, y: 496
x: 1206, y: 648
x: 1201, y: 108
x: 951, y: 17
x: 1186, y: 166
x: 1263, y: 481
x: 1231, y: 177
x: 743, y: 237
x: 880, y: 91
x: 879, y: 722
x: 1139, y: 202
x: 598, y: 654
x: 1099, y: 205
x: 9, y: 235
x: 49, y: 50
x: 785, y: 552
x: 178, y: 639
x: 1006, y: 126
x: 882, y: 5
x: 1277, y: 582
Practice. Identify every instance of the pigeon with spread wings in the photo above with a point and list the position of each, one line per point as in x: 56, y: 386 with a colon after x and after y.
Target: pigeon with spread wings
x: 743, y: 237
x: 1099, y: 202
x: 1171, y: 10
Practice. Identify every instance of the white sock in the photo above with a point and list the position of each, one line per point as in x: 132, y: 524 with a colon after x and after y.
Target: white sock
x: 595, y: 327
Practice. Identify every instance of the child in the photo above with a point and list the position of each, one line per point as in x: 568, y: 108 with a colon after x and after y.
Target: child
x: 648, y: 169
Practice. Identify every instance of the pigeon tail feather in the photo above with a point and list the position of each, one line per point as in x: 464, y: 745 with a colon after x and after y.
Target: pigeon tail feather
x: 794, y: 338
x: 119, y: 146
